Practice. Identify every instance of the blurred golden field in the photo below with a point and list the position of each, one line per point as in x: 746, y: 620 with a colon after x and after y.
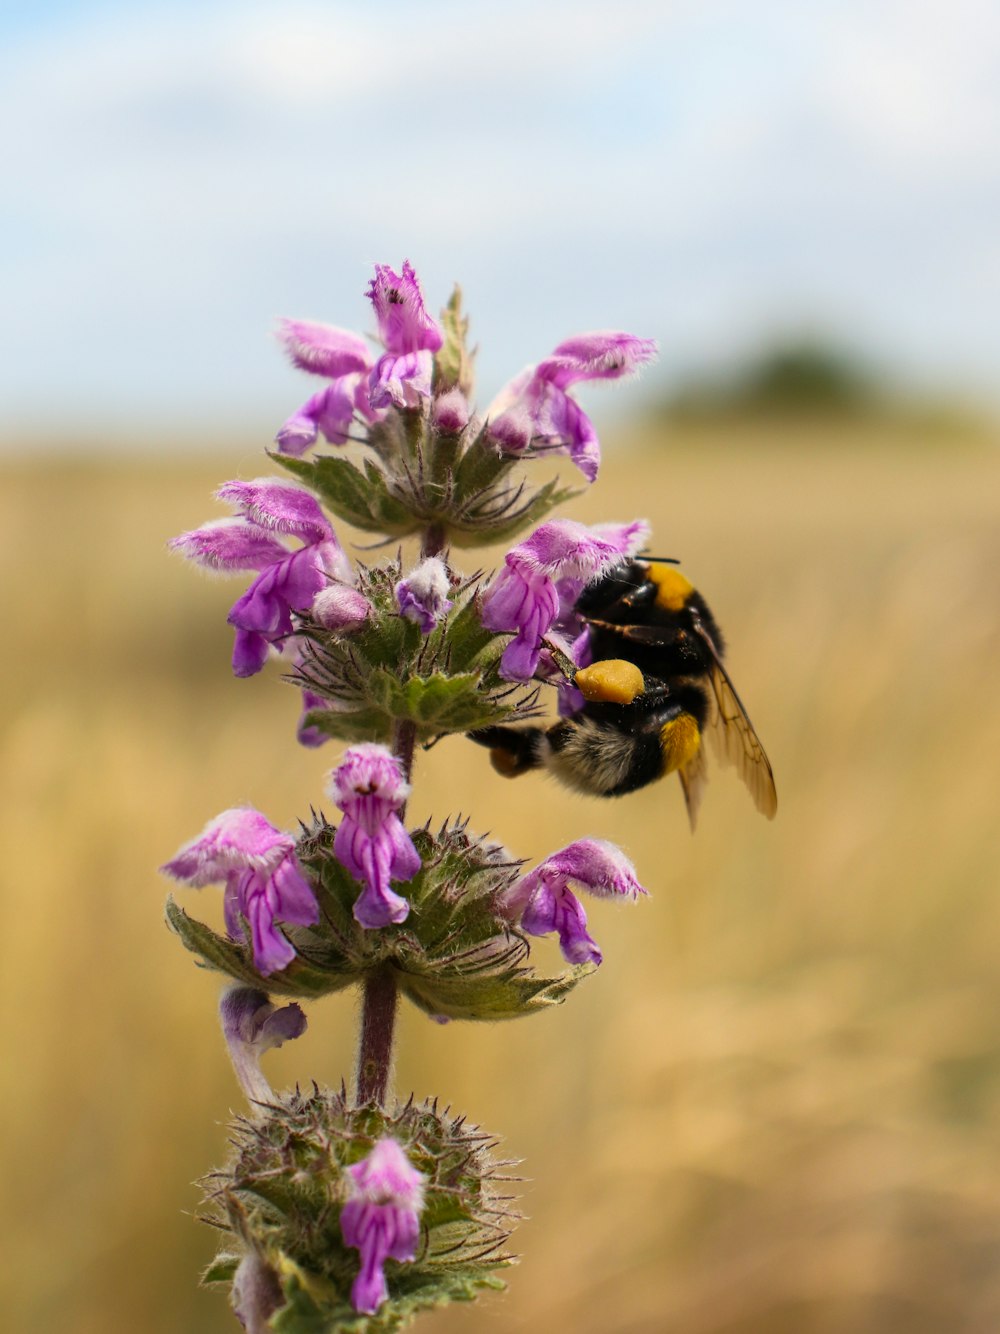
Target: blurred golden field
x: 774, y: 1110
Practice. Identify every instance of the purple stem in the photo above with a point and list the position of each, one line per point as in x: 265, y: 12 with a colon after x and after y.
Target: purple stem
x: 433, y: 542
x: 378, y: 1019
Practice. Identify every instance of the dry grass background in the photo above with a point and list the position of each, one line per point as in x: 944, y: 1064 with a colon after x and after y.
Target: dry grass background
x: 775, y: 1108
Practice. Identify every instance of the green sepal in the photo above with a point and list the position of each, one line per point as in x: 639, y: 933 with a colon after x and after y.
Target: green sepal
x: 221, y: 1270
x: 482, y: 467
x: 360, y: 498
x: 477, y: 530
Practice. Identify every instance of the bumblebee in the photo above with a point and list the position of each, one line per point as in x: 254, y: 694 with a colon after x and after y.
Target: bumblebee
x: 655, y: 688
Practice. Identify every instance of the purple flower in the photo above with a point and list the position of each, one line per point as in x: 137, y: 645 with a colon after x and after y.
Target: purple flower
x: 450, y: 412
x: 342, y: 357
x: 544, y: 902
x: 534, y: 411
x: 256, y: 1294
x: 264, y: 881
x: 358, y: 387
x: 381, y: 1218
x: 341, y: 607
x: 305, y: 733
x: 251, y: 1026
x: 422, y: 595
x: 402, y: 375
x: 329, y: 413
x: 369, y: 787
x: 288, y: 580
x: 558, y: 557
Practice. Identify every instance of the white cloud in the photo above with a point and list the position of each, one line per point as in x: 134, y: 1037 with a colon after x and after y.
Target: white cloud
x: 692, y: 169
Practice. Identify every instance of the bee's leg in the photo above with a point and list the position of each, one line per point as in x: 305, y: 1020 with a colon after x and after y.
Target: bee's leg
x: 513, y: 750
x: 640, y: 634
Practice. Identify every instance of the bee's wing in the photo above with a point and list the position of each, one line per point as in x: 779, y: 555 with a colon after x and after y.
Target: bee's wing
x: 733, y: 736
x: 694, y: 776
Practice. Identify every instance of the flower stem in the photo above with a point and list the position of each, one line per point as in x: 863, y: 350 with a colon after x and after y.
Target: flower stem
x: 378, y: 1019
x: 404, y: 738
x: 433, y: 541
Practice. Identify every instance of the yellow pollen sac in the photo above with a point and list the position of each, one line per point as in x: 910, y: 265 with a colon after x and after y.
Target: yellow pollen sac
x: 613, y: 681
x: 679, y: 739
x: 672, y: 589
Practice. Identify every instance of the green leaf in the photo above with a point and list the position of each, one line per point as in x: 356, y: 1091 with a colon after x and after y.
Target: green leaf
x: 489, y: 997
x: 300, y: 978
x: 441, y: 703
x: 370, y: 724
x: 311, y: 1310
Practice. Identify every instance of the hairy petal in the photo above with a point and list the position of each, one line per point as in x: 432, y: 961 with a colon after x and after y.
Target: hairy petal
x: 524, y: 598
x: 331, y: 412
x: 279, y: 507
x: 369, y: 779
x: 422, y: 595
x: 564, y: 548
x: 401, y: 381
x: 236, y: 838
x: 558, y: 909
x: 340, y: 607
x: 229, y: 545
x: 264, y: 612
x: 450, y: 412
x: 603, y: 355
x: 323, y: 349
x: 597, y: 866
x: 403, y: 322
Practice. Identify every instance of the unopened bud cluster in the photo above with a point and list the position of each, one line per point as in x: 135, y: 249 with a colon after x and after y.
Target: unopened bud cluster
x: 348, y: 1211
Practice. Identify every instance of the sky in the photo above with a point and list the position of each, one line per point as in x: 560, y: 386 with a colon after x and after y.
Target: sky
x: 711, y: 174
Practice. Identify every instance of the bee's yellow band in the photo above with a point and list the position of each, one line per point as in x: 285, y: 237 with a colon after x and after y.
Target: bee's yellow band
x: 679, y: 739
x: 672, y: 589
x: 613, y: 681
